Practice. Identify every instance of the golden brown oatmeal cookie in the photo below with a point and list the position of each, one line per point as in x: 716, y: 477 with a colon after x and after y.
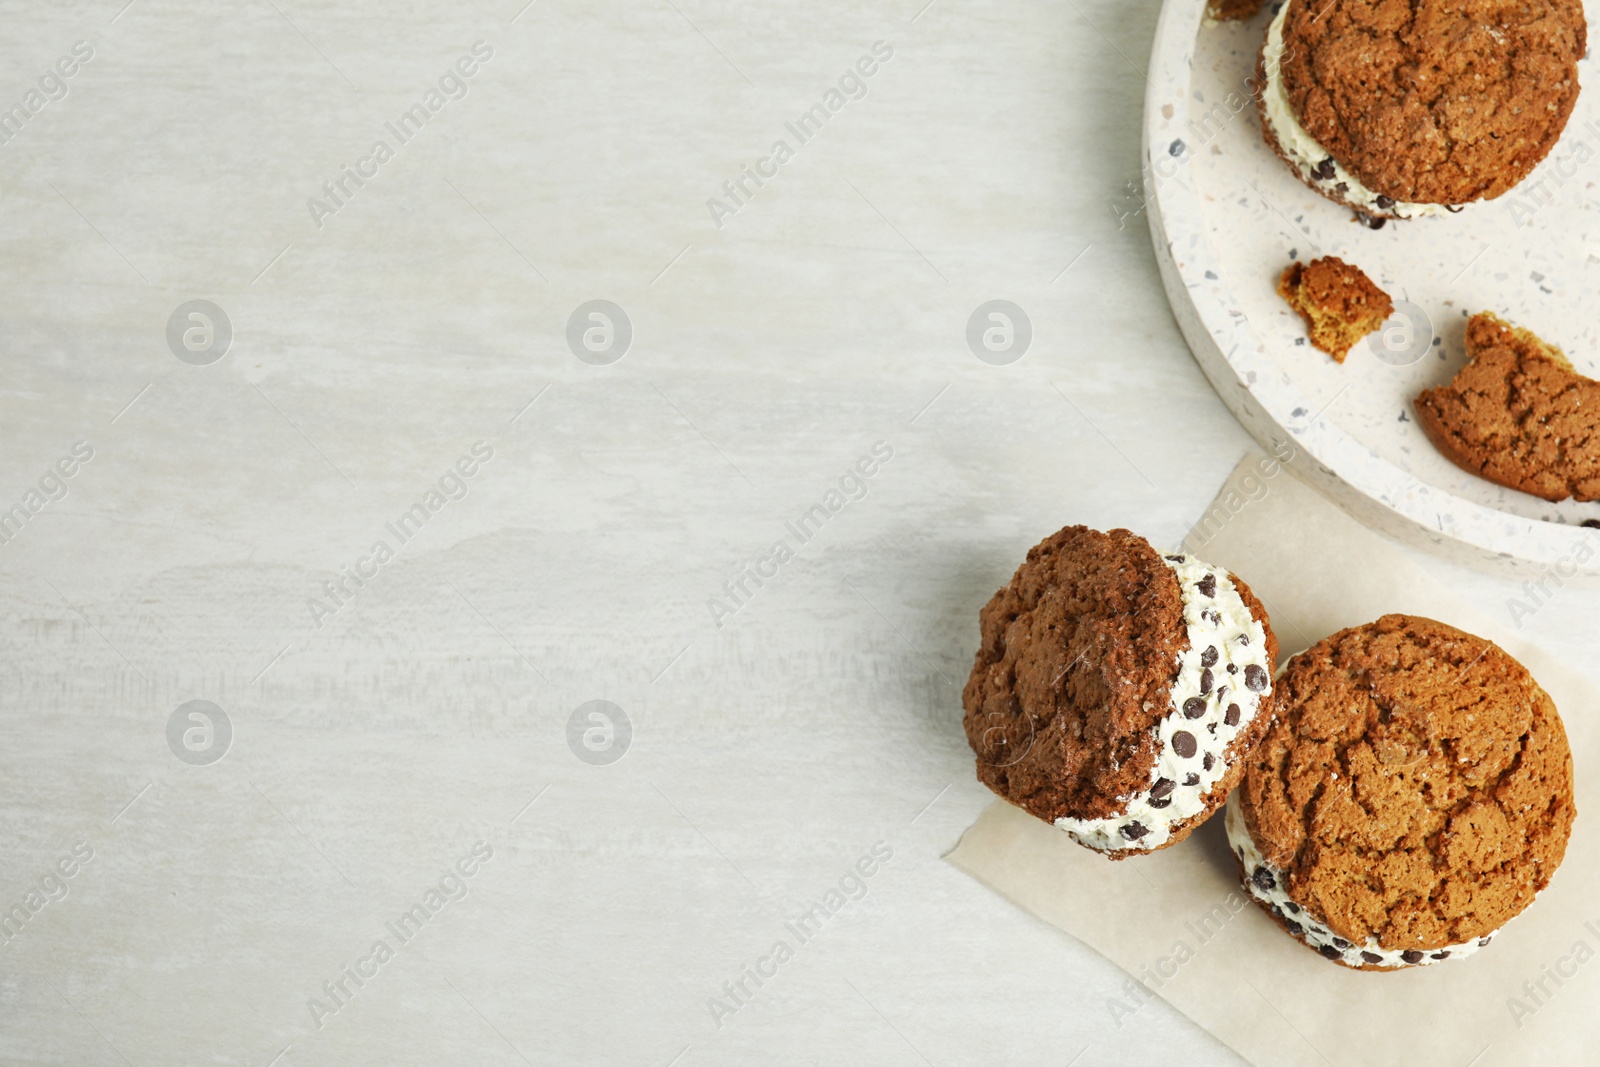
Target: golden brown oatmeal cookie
x: 1413, y: 796
x: 1434, y: 101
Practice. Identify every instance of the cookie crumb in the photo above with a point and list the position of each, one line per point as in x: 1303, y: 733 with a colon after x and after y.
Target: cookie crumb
x: 1339, y: 303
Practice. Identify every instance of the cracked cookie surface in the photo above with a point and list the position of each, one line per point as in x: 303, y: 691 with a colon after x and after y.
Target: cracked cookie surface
x: 1434, y: 101
x: 1091, y: 705
x: 1518, y: 415
x: 1416, y: 787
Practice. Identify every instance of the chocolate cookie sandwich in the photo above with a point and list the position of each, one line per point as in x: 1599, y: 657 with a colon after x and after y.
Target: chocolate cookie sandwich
x: 1407, y: 108
x: 1412, y: 797
x: 1116, y: 690
x: 1518, y: 414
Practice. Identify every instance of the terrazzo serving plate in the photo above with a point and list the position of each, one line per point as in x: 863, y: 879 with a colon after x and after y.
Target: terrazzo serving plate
x: 1227, y: 216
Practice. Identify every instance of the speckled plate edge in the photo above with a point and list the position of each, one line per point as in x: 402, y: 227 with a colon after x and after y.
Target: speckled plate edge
x: 1262, y: 397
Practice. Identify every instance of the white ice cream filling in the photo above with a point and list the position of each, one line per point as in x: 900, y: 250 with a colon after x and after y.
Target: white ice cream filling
x: 1314, y: 161
x: 1211, y: 704
x: 1266, y: 883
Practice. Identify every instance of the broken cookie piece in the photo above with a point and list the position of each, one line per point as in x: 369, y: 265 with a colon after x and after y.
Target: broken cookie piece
x: 1518, y: 414
x: 1232, y: 10
x: 1339, y: 302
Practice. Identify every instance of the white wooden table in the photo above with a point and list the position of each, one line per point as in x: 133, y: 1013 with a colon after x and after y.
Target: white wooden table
x: 781, y: 726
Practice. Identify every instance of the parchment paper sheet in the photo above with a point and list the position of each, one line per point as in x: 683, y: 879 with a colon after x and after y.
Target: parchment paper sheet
x: 1180, y: 924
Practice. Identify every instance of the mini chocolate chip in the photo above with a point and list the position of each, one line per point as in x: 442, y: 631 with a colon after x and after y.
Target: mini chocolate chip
x: 1340, y: 943
x: 1231, y: 716
x: 1175, y: 559
x: 1162, y: 787
x: 1331, y: 953
x: 1194, y: 707
x: 1183, y: 744
x: 1294, y: 928
x: 1212, y: 617
x: 1294, y: 907
x: 1211, y: 728
x: 1482, y: 941
x: 1264, y: 880
x: 1277, y: 911
x: 1207, y: 585
x: 1325, y: 169
x: 1133, y: 831
x: 1372, y: 957
x: 1175, y: 149
x: 1240, y: 851
x: 1454, y: 209
x: 1206, y: 681
x: 1233, y: 669
x: 1191, y: 779
x: 1341, y: 188
x: 1208, y: 658
x: 1161, y: 802
x: 1442, y: 955
x: 1411, y: 955
x: 1243, y: 639
x: 1208, y: 761
x: 1384, y: 203
x: 1255, y: 679
x: 1593, y: 524
x: 1369, y: 222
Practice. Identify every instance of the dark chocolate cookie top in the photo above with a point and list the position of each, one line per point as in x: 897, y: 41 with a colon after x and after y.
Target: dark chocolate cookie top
x: 1072, y: 674
x: 1116, y: 691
